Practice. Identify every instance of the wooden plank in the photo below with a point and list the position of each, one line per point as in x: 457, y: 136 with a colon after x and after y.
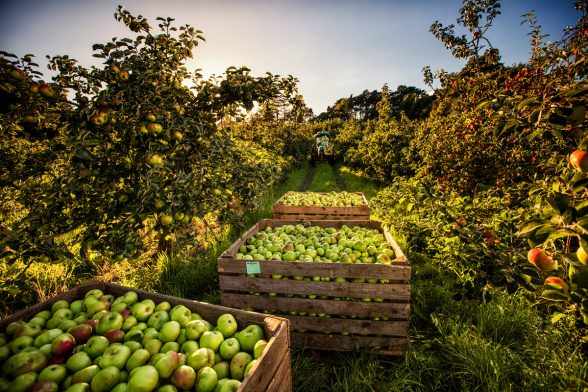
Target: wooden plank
x: 274, y: 363
x: 299, y: 287
x: 285, y: 305
x: 318, y: 341
x: 394, y: 271
x: 305, y: 217
x: 353, y: 326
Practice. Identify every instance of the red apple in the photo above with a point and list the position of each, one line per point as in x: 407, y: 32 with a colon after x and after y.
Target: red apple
x: 63, y: 344
x: 81, y: 332
x: 541, y: 260
x: 557, y: 283
x: 579, y: 160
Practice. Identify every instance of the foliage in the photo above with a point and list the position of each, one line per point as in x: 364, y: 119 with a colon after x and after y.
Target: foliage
x: 123, y: 159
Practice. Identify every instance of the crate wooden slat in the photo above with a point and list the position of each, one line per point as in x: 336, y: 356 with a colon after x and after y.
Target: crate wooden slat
x: 288, y: 212
x: 273, y: 371
x: 283, y: 288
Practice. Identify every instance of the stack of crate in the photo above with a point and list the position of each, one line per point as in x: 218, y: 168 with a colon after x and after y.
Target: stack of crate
x: 339, y: 316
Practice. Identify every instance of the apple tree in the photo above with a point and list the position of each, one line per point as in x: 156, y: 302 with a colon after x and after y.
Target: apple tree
x: 142, y: 156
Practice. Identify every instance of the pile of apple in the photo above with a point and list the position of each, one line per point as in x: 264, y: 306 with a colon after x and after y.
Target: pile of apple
x: 327, y: 199
x: 124, y: 344
x: 317, y: 244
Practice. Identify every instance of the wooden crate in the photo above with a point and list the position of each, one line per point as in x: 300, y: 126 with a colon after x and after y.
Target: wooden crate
x: 349, y: 324
x: 282, y: 211
x: 272, y: 372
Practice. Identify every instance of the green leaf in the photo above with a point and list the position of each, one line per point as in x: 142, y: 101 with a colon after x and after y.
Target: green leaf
x: 556, y: 317
x: 559, y: 202
x: 554, y: 295
x: 577, y: 91
x: 578, y: 115
x: 531, y: 226
x: 534, y: 116
x: 525, y: 102
x: 509, y: 124
x: 561, y: 233
x: 483, y: 104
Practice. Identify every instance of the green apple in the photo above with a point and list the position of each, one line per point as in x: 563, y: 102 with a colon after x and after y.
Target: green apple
x: 227, y: 324
x: 96, y: 293
x: 163, y: 305
x: 194, y: 329
x: 85, y: 375
x: 259, y: 347
x: 110, y: 321
x: 55, y: 373
x: 66, y: 324
x: 134, y: 335
x: 189, y: 346
x: 130, y: 297
x: 220, y: 383
x: 79, y: 387
x: 206, y: 379
x: 249, y: 367
x: 23, y: 382
x: 200, y: 358
x: 184, y: 378
x: 230, y: 386
x: 211, y: 340
x: 47, y: 336
x: 93, y: 305
x: 143, y: 379
x: 238, y: 364
x: 142, y: 310
x: 21, y: 343
x: 118, y: 306
x: 116, y: 355
x: 170, y: 346
x: 150, y: 333
x: 4, y: 354
x: 134, y: 346
x: 153, y: 346
x: 229, y: 347
x: 222, y: 369
x: 139, y: 358
x: 105, y: 379
x: 96, y: 345
x: 78, y: 361
x: 249, y: 336
x: 28, y: 329
x: 166, y: 365
x: 169, y: 331
x: 61, y: 304
x: 158, y: 318
x: 77, y: 306
x: 120, y: 387
x: 64, y: 313
x: 181, y: 314
x: 129, y: 322
x: 166, y: 388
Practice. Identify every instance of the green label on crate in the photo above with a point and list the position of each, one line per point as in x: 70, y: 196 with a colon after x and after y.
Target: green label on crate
x: 253, y: 267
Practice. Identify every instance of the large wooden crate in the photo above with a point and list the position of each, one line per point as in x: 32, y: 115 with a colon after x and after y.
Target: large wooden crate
x: 348, y: 323
x: 287, y: 212
x: 272, y: 372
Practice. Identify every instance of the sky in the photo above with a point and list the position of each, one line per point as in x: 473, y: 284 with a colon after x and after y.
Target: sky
x: 336, y: 48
